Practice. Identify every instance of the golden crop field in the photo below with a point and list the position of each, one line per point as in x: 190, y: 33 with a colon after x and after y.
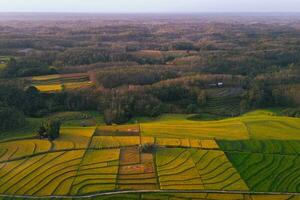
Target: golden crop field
x: 91, y: 160
x: 49, y: 88
x: 58, y: 82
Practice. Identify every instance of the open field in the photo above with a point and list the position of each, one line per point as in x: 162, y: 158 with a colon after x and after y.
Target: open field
x: 99, y: 159
x: 257, y: 125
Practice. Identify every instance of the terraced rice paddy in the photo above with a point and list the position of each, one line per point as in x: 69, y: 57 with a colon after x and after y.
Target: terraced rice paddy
x: 17, y: 149
x: 176, y: 170
x: 97, y: 172
x: 216, y: 171
x: 264, y: 172
x: 92, y: 160
x: 58, y: 82
x: 40, y: 175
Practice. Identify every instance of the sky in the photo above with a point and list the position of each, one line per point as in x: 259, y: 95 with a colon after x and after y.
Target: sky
x: 149, y: 6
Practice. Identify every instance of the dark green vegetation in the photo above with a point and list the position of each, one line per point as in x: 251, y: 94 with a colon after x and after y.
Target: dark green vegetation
x: 143, y: 69
x: 50, y: 129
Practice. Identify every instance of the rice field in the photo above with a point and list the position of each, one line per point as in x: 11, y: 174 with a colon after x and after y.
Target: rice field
x: 268, y: 172
x: 258, y: 125
x: 97, y: 172
x: 178, y: 126
x: 216, y: 171
x: 58, y: 82
x: 22, y: 148
x: 74, y: 138
x: 104, y: 142
x: 49, y: 88
x: 176, y: 170
x: 137, y: 170
x: 282, y: 147
x: 40, y: 175
x: 92, y: 160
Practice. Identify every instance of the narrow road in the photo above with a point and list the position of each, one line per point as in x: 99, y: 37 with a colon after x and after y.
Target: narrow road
x: 152, y: 191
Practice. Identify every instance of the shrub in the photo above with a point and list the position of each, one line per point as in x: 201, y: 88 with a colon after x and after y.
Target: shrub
x: 148, y: 148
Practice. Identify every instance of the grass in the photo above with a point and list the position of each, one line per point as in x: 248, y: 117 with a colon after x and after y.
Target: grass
x: 283, y: 147
x: 178, y: 126
x: 83, y: 118
x: 261, y: 124
x: 69, y: 119
x: 29, y: 130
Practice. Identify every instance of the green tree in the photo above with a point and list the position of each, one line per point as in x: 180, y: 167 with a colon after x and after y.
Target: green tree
x: 53, y: 129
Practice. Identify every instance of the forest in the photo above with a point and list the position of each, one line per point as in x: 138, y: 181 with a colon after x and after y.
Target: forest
x: 143, y: 66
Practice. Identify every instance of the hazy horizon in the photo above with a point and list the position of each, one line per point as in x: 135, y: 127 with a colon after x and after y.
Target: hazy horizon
x: 151, y: 6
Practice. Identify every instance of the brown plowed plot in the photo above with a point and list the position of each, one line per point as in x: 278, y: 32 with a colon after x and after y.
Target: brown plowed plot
x: 136, y: 171
x: 129, y: 156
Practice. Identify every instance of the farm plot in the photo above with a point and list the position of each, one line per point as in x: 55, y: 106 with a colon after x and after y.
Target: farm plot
x: 118, y: 130
x: 97, y: 172
x: 176, y: 170
x: 49, y: 88
x: 137, y: 170
x: 178, y: 126
x: 268, y: 172
x: 282, y: 147
x: 42, y: 175
x: 102, y: 142
x: 263, y: 127
x: 74, y: 138
x: 54, y: 83
x: 186, y: 143
x: 22, y: 148
x: 216, y: 171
